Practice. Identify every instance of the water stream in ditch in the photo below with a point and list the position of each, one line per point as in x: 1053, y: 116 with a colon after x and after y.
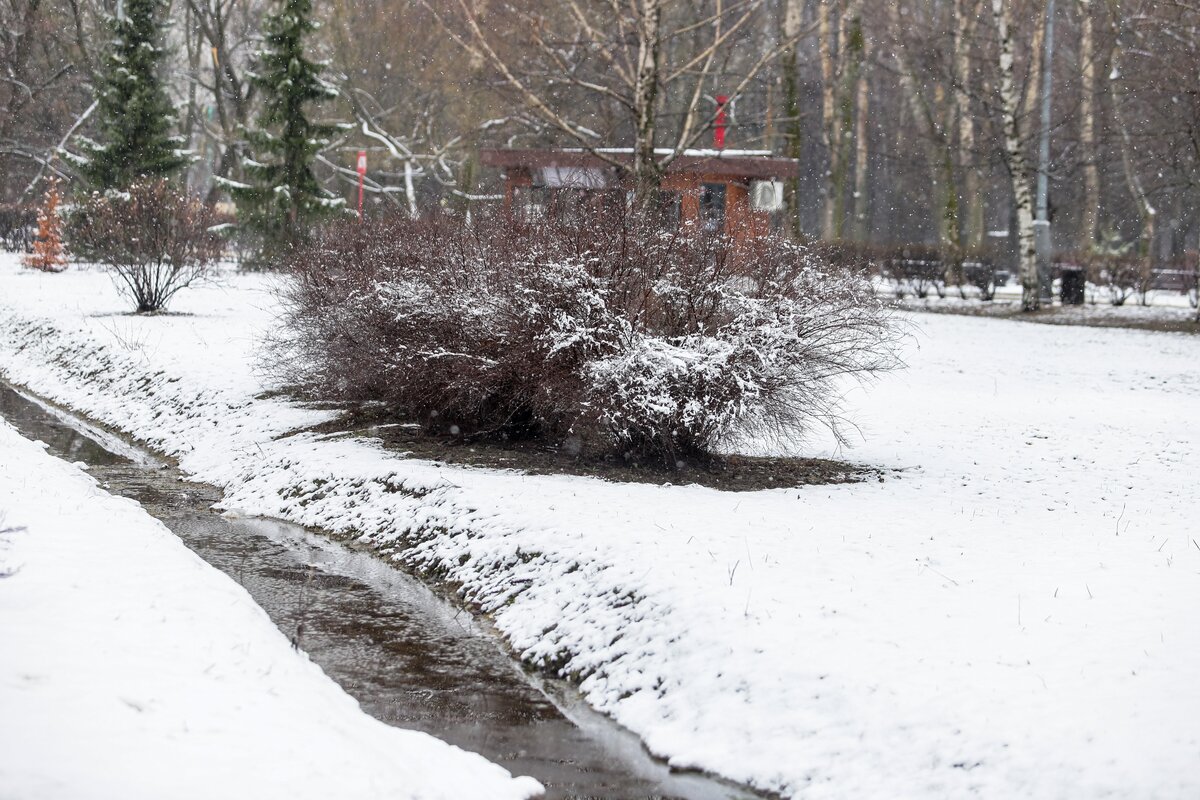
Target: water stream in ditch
x: 409, y: 657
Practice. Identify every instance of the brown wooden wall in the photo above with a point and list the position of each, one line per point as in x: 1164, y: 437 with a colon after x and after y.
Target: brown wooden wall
x: 741, y: 222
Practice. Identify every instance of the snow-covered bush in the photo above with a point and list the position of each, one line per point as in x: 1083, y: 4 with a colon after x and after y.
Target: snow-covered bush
x: 610, y: 333
x: 154, y: 238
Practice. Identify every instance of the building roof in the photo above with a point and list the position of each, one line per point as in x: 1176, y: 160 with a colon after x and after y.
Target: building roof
x: 753, y: 164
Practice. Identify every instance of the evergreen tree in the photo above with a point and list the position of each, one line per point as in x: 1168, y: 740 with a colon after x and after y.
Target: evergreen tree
x: 135, y: 114
x: 282, y: 195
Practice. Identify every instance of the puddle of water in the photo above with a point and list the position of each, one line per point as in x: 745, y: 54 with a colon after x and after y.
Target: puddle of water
x: 35, y: 422
x: 410, y: 658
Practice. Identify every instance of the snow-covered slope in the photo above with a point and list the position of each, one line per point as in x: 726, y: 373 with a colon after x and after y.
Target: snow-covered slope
x: 1013, y: 616
x: 130, y: 668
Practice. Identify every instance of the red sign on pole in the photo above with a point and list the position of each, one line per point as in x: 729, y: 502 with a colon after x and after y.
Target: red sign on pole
x: 362, y: 171
x: 719, y: 123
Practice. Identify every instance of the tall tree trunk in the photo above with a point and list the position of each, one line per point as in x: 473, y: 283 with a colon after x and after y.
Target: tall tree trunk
x: 1018, y: 169
x: 966, y: 13
x: 1031, y: 92
x: 850, y: 56
x: 950, y: 227
x: 194, y: 46
x: 933, y: 118
x: 1146, y: 210
x: 793, y: 131
x: 646, y: 172
x: 828, y: 112
x: 1087, y: 127
x: 862, y: 110
x: 17, y: 99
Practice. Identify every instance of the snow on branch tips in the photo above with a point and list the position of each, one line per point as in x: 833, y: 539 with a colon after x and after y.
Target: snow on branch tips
x: 603, y: 330
x: 154, y: 238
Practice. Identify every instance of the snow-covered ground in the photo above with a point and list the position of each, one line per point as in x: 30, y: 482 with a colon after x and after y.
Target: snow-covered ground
x: 1174, y: 315
x: 130, y: 668
x: 1161, y: 307
x: 1014, y: 616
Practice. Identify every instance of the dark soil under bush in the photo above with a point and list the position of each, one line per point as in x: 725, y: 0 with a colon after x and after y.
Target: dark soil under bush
x: 733, y: 473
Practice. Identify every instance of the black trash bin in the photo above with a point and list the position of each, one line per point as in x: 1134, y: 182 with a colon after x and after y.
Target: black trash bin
x: 1074, y: 281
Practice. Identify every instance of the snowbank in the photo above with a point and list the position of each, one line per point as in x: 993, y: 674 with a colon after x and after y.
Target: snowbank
x: 1014, y: 616
x: 131, y: 668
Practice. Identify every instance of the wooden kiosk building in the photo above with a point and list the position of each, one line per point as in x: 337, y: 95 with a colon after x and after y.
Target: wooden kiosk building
x: 738, y: 192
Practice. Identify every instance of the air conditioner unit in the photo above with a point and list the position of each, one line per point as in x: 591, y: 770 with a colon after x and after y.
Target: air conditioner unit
x: 766, y: 195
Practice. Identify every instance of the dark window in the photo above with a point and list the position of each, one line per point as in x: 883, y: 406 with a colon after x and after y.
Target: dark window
x: 570, y: 204
x: 530, y: 201
x: 539, y: 200
x: 668, y: 207
x: 712, y: 207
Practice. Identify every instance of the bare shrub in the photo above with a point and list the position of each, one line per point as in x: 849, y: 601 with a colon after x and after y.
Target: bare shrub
x: 846, y: 255
x: 915, y: 269
x: 979, y: 270
x: 605, y: 332
x: 154, y: 238
x: 18, y: 227
x: 1191, y: 287
x: 1114, y: 268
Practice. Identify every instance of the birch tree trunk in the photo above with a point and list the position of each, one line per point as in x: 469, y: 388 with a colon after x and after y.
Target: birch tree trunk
x: 646, y: 172
x: 862, y: 110
x: 1087, y: 127
x: 1018, y: 168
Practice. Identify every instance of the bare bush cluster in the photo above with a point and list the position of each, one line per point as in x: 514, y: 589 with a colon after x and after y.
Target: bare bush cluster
x: 918, y: 269
x: 154, y: 238
x: 605, y: 333
x: 1120, y: 275
x: 18, y: 226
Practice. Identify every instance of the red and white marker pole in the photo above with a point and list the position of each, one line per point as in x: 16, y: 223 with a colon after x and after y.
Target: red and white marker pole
x: 362, y: 172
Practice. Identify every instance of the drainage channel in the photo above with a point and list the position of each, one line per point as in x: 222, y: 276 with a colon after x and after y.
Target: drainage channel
x: 410, y: 658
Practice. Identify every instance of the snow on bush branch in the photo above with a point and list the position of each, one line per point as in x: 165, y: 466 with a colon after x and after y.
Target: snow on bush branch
x: 153, y: 237
x: 605, y: 332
